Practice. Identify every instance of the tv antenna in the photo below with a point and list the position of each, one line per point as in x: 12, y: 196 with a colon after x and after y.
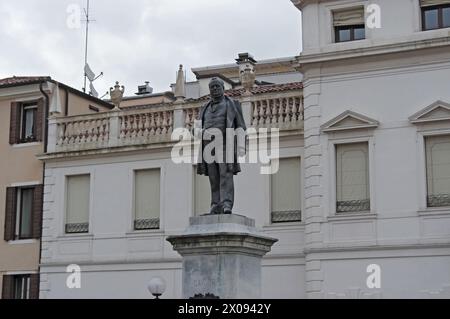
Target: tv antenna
x: 88, y: 73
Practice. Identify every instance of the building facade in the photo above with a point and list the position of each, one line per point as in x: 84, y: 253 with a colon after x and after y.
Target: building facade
x: 360, y: 203
x: 24, y: 105
x: 377, y: 147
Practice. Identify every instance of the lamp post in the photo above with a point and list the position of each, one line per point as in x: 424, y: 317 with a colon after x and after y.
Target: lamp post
x: 157, y: 286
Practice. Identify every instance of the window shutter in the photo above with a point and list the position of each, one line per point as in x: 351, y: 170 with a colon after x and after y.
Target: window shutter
x: 147, y: 193
x: 40, y: 121
x: 285, y: 186
x: 353, y: 16
x: 438, y: 170
x: 352, y: 177
x: 10, y: 213
x: 14, y: 126
x: 202, y: 194
x: 37, y: 211
x: 34, y: 286
x: 8, y: 287
x: 77, y: 204
x: 429, y: 3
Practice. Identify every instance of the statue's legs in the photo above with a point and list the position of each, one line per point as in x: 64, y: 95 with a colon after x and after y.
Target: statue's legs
x: 222, y: 188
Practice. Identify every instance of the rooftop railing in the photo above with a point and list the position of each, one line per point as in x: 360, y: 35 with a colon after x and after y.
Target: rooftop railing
x: 155, y: 124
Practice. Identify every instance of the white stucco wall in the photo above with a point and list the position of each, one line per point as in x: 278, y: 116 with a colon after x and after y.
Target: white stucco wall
x: 118, y: 262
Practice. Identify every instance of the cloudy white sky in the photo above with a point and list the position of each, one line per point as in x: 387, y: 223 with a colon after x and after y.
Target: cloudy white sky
x: 142, y: 40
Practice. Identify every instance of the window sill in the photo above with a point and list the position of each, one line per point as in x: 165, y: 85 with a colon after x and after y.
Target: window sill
x: 22, y: 241
x: 29, y: 144
x: 145, y: 232
x: 283, y: 226
x: 352, y: 216
x: 435, y: 211
x: 76, y: 236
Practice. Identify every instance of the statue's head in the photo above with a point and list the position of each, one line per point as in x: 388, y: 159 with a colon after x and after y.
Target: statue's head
x: 216, y: 88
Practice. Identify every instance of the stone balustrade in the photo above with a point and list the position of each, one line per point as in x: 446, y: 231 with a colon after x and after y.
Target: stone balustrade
x: 140, y: 126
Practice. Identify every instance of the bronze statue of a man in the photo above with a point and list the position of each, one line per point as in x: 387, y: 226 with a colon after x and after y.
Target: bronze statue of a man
x: 223, y: 125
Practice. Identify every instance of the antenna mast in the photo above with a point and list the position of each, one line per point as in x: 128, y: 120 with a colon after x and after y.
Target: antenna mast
x: 86, y: 12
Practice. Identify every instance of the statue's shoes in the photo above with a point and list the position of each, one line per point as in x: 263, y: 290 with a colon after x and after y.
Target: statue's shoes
x: 227, y: 211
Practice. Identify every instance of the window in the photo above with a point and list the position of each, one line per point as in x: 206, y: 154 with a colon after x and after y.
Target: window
x: 435, y: 14
x: 352, y: 178
x: 146, y: 199
x: 77, y: 204
x: 23, y: 212
x: 286, y: 192
x: 28, y: 131
x: 438, y: 170
x: 26, y: 122
x: 349, y: 24
x: 202, y: 194
x: 20, y: 286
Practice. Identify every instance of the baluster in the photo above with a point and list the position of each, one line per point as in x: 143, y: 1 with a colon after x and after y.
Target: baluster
x: 274, y: 112
x: 146, y: 126
x: 68, y: 135
x: 101, y: 131
x: 95, y: 131
x: 302, y: 109
x: 255, y: 114
x: 138, y: 120
x: 82, y: 126
x: 106, y: 130
x: 291, y: 109
x: 60, y: 133
x: 169, y: 121
x: 269, y: 112
x: 158, y: 123
x: 152, y: 124
x: 88, y: 131
x: 133, y: 126
x: 297, y: 109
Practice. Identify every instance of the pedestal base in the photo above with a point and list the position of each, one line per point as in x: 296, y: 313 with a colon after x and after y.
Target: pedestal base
x: 222, y: 256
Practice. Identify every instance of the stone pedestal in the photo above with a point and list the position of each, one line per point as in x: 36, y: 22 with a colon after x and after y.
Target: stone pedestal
x: 222, y: 256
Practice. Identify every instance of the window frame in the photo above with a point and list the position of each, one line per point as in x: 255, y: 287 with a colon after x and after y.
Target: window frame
x: 352, y: 29
x: 25, y: 106
x: 299, y: 158
x: 26, y: 278
x: 337, y: 139
x: 336, y: 178
x: 440, y: 8
x: 427, y: 186
x: 65, y: 203
x: 133, y: 199
x: 19, y: 213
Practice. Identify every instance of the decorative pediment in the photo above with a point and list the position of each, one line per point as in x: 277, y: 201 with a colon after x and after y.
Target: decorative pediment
x: 438, y: 111
x: 349, y: 120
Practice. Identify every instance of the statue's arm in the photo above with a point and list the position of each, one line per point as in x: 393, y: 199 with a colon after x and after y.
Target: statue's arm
x: 240, y: 123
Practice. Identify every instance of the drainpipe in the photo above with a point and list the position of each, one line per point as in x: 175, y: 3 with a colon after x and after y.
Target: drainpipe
x: 45, y: 138
x: 46, y: 110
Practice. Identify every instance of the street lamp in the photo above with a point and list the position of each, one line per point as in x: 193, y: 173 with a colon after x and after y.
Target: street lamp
x: 157, y: 286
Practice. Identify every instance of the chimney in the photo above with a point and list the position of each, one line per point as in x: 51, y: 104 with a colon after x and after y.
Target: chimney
x: 247, y: 75
x: 144, y: 89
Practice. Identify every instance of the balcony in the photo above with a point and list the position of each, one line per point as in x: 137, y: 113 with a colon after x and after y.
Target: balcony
x: 154, y: 124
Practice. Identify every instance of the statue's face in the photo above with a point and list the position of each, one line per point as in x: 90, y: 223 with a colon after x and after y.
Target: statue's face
x: 216, y: 90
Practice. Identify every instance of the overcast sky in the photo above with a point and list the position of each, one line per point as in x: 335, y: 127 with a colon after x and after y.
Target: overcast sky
x: 135, y: 41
